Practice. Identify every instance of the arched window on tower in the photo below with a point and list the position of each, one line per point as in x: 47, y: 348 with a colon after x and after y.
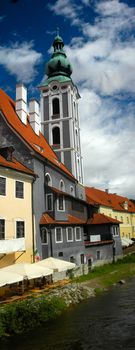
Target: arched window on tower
x: 48, y: 179
x: 56, y: 135
x: 56, y: 108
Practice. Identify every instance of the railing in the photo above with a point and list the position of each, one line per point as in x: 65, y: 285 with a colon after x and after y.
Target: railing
x: 90, y: 244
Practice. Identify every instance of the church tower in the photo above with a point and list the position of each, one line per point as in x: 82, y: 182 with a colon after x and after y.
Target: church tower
x: 59, y: 110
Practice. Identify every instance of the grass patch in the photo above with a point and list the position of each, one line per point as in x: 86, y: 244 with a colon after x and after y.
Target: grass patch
x: 109, y: 274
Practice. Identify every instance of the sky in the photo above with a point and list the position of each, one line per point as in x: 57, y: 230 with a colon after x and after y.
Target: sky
x: 99, y: 42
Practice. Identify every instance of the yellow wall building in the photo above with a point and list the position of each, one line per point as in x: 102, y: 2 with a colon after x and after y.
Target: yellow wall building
x: 115, y: 206
x: 16, y: 218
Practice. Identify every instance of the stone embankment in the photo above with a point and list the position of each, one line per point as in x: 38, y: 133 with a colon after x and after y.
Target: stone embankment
x: 73, y: 293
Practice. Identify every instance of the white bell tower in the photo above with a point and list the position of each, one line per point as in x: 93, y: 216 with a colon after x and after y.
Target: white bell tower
x: 59, y: 110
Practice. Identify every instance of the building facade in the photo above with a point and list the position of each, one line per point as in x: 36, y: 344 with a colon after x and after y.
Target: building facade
x: 116, y: 207
x: 61, y: 207
x: 16, y: 217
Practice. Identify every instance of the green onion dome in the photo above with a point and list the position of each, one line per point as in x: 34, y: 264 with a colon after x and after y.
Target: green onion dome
x: 59, y: 63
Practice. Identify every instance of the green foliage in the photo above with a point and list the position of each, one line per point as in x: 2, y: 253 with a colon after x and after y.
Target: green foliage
x: 106, y: 269
x: 25, y: 315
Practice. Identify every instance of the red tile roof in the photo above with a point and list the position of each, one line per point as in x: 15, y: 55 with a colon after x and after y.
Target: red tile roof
x: 98, y: 197
x: 15, y: 165
x: 46, y: 219
x: 99, y: 219
x: 38, y: 143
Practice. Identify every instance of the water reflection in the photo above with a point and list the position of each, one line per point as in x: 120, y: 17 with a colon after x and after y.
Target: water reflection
x: 105, y: 322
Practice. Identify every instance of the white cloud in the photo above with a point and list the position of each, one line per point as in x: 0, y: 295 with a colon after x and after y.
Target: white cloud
x: 107, y: 138
x: 67, y: 8
x: 20, y: 60
x: 104, y: 56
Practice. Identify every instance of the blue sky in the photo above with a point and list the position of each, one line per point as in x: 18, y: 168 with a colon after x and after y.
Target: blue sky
x: 99, y: 41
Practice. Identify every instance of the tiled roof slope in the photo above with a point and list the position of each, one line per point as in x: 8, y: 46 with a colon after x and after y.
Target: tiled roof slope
x: 99, y: 219
x: 38, y: 143
x: 114, y: 201
x: 46, y: 219
x: 15, y: 165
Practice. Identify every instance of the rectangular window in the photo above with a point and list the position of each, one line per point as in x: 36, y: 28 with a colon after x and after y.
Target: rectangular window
x: 2, y: 229
x: 19, y: 189
x: 115, y: 230
x: 82, y: 259
x: 98, y: 255
x: 69, y: 234
x: 49, y: 202
x: 44, y: 236
x: 3, y: 186
x: 77, y: 233
x: 61, y: 203
x: 20, y: 229
x: 58, y: 235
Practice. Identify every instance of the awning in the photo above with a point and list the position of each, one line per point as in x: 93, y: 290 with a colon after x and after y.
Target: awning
x: 7, y: 278
x: 56, y: 264
x: 28, y: 271
x: 126, y: 242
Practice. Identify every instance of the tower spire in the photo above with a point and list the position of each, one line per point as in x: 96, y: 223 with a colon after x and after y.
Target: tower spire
x: 58, y: 31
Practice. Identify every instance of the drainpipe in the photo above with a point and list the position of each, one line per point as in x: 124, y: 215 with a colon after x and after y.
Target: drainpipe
x: 33, y: 236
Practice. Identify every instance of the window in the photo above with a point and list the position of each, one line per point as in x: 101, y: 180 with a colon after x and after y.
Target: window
x: 69, y: 234
x: 56, y: 107
x: 78, y: 233
x: 60, y: 254
x: 49, y: 202
x: 82, y: 259
x: 2, y: 229
x: 62, y: 185
x: 127, y: 220
x: 122, y: 218
x: 116, y: 217
x: 115, y: 230
x: 19, y: 189
x: 98, y: 255
x: 72, y: 259
x: 56, y: 135
x: 44, y: 235
x: 2, y: 186
x: 61, y: 203
x: 71, y: 189
x: 58, y: 235
x: 48, y: 179
x: 20, y: 229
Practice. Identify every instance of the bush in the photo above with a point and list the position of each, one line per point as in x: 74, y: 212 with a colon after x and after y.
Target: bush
x: 25, y: 315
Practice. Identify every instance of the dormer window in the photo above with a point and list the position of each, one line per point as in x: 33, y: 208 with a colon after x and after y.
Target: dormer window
x: 60, y: 203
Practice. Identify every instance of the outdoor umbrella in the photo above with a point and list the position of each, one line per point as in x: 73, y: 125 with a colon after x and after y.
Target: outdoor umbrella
x: 56, y: 264
x: 29, y: 271
x: 9, y: 277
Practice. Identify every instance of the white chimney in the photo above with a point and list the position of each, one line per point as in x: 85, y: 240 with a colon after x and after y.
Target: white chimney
x: 21, y: 102
x: 34, y: 115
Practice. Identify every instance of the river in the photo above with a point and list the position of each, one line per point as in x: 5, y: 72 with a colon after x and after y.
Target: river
x: 106, y: 322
